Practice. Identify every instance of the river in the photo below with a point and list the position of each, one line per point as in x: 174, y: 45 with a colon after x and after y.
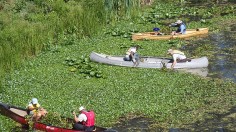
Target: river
x: 222, y: 61
x: 223, y: 65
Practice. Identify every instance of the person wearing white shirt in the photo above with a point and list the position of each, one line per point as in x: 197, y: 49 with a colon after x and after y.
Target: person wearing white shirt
x: 176, y: 55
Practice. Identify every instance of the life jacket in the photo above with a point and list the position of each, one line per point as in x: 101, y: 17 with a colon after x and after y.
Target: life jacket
x: 131, y: 49
x: 35, y: 108
x: 90, y: 118
x: 177, y: 52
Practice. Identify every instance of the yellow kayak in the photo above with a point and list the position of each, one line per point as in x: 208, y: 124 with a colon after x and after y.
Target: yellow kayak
x: 152, y: 36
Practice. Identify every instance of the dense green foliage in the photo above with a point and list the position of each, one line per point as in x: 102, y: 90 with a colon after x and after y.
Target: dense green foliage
x: 66, y: 31
x: 83, y: 65
x: 28, y: 27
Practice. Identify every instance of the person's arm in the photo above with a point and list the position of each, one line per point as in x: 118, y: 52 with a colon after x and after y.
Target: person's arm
x: 31, y: 108
x: 75, y: 117
x: 173, y: 64
x: 174, y: 61
x: 173, y: 25
x: 132, y: 56
x: 43, y: 111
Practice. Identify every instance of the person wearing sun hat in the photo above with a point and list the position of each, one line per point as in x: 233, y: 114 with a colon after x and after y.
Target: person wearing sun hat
x: 33, y: 105
x: 181, y: 27
x: 35, y: 109
x: 85, y: 121
x: 176, y: 55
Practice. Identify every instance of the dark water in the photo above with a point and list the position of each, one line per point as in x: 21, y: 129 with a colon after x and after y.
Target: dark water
x: 222, y: 61
x: 223, y: 65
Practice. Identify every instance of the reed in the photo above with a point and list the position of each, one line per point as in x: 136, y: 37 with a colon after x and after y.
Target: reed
x: 27, y: 26
x: 117, y: 9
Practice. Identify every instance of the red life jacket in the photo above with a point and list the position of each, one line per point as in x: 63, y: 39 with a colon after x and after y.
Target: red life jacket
x: 90, y: 118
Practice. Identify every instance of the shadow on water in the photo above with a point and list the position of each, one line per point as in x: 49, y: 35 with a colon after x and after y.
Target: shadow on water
x: 203, y: 72
x: 140, y: 124
x: 225, y: 122
x: 218, y: 122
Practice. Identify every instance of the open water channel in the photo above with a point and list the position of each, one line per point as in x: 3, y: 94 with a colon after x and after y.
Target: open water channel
x: 223, y: 65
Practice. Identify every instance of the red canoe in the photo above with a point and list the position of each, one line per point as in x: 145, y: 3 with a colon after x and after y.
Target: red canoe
x: 18, y: 114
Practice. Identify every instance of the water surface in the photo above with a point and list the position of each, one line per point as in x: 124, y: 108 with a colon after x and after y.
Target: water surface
x: 222, y: 61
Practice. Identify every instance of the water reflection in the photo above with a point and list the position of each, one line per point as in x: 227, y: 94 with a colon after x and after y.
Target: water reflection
x: 200, y: 71
x: 223, y: 65
x: 222, y: 61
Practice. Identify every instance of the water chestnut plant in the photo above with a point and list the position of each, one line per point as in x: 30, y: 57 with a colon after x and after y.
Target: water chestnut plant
x: 84, y: 66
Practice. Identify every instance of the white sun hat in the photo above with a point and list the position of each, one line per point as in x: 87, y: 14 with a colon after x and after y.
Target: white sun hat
x: 34, y: 101
x: 81, y: 108
x: 178, y: 22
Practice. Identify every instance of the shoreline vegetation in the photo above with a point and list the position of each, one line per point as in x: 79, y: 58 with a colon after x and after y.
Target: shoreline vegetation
x: 44, y: 48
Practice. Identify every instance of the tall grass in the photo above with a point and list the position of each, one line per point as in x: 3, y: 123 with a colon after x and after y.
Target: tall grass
x: 116, y: 9
x: 27, y: 27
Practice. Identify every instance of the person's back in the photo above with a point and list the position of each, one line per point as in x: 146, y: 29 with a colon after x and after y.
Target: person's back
x: 130, y: 53
x: 177, y: 55
x: 90, y: 120
x: 85, y: 120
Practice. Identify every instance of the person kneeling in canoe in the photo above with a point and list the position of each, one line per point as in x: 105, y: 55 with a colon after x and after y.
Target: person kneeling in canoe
x: 85, y: 120
x: 181, y: 27
x: 177, y: 56
x: 35, y: 110
x: 132, y: 55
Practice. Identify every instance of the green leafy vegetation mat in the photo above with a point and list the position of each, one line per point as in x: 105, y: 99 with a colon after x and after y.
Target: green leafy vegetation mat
x: 63, y: 78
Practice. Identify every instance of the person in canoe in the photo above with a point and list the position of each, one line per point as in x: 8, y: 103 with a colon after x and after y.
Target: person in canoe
x: 181, y: 27
x: 177, y: 56
x: 132, y: 55
x: 36, y: 110
x: 85, y: 121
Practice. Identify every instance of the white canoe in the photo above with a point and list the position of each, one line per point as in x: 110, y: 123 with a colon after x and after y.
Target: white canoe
x: 148, y: 62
